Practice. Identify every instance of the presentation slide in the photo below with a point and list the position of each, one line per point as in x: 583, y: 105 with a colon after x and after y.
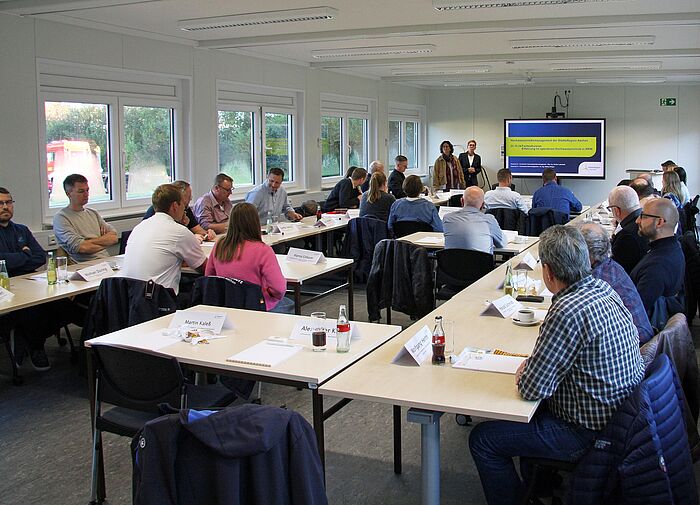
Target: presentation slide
x: 574, y: 148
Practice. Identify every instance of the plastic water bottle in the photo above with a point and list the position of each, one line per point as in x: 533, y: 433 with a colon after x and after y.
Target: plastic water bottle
x: 51, y: 273
x: 438, y: 342
x: 268, y: 223
x: 343, y: 332
x: 4, y: 276
x: 319, y: 214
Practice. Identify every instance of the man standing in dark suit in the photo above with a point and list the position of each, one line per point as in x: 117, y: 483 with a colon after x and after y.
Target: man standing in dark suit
x: 471, y: 164
x: 628, y: 247
x: 397, y: 177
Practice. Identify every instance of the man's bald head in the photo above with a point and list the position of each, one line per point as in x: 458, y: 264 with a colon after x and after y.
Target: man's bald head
x: 376, y: 166
x: 664, y: 208
x: 624, y: 199
x: 474, y: 197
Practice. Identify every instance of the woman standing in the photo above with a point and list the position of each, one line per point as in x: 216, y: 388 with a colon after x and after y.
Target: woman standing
x: 377, y: 201
x: 241, y: 254
x: 447, y: 171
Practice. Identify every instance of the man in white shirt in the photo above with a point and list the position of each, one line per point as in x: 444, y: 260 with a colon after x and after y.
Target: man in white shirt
x: 158, y: 245
x: 503, y: 197
x: 81, y: 231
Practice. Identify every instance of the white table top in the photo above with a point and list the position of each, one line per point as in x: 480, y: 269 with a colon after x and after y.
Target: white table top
x: 300, y: 272
x: 251, y: 327
x: 436, y: 240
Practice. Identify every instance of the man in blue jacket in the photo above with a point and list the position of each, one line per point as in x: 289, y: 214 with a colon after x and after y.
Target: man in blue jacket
x: 23, y: 255
x: 554, y: 196
x: 585, y: 363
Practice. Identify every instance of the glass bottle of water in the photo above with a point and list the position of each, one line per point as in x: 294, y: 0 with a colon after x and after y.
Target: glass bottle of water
x: 4, y: 276
x: 51, y: 273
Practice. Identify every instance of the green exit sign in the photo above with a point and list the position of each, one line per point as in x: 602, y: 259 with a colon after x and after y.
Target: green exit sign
x: 667, y: 102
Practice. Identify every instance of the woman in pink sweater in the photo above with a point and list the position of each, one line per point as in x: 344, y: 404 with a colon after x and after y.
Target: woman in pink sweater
x: 241, y: 254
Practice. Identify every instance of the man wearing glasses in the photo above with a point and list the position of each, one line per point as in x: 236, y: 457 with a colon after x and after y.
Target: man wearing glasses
x: 660, y: 272
x: 212, y: 210
x: 628, y: 246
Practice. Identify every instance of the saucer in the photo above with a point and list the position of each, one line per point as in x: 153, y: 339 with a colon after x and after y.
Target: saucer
x: 518, y: 322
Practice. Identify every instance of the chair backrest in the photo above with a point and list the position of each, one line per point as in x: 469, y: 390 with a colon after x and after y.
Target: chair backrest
x: 462, y: 267
x: 363, y: 234
x: 136, y: 380
x: 509, y: 219
x: 541, y: 218
x: 512, y: 186
x: 123, y: 241
x: 403, y: 228
x: 455, y: 201
x: 225, y: 292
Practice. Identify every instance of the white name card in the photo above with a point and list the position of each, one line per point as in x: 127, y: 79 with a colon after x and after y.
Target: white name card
x: 509, y: 235
x: 5, y: 295
x: 326, y: 221
x: 94, y: 272
x: 417, y: 350
x: 504, y: 306
x: 454, y: 192
x: 296, y: 255
x: 195, y: 320
x: 353, y: 213
x: 302, y: 329
x: 286, y: 228
x: 527, y: 263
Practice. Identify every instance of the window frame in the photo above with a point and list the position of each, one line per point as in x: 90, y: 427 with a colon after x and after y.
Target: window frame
x: 257, y: 142
x: 415, y: 114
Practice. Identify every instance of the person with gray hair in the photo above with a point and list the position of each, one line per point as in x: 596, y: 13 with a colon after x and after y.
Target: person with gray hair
x: 375, y: 166
x: 608, y: 270
x: 628, y: 247
x: 585, y: 363
x: 469, y: 228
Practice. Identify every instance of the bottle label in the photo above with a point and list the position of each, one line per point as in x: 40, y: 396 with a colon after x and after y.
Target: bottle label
x: 438, y: 339
x: 342, y: 328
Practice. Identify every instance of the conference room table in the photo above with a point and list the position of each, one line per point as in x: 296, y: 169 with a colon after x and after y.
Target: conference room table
x: 436, y: 240
x: 305, y: 369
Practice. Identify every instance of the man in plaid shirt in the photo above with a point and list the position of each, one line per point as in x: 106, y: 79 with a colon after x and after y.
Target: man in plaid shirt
x: 585, y: 363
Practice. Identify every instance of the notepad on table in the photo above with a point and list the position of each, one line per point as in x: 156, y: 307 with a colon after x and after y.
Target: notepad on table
x: 265, y: 354
x: 487, y: 362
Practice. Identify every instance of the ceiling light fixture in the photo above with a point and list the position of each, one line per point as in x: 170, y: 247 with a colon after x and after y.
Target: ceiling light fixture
x: 441, y: 71
x: 27, y: 8
x: 585, y: 67
x: 258, y: 19
x: 451, y: 5
x: 557, y: 43
x: 623, y: 80
x: 485, y: 83
x: 354, y: 52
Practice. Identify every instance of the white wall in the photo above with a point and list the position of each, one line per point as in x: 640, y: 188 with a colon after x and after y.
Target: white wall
x: 640, y: 133
x: 23, y: 41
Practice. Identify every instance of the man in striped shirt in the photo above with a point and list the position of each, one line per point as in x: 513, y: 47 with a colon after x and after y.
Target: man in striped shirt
x: 585, y: 363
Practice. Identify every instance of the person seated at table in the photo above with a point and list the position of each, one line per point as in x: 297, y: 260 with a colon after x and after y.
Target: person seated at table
x: 346, y: 193
x: 241, y: 254
x: 270, y: 198
x: 628, y: 246
x: 159, y: 245
x: 397, y: 177
x: 648, y: 177
x: 79, y: 230
x: 661, y: 271
x: 608, y: 270
x: 645, y: 191
x: 469, y: 228
x: 213, y: 208
x: 684, y: 187
x: 413, y: 207
x: 374, y: 167
x: 553, y: 196
x: 447, y: 171
x: 188, y: 218
x: 671, y: 188
x: 503, y: 197
x: 586, y: 330
x: 377, y: 201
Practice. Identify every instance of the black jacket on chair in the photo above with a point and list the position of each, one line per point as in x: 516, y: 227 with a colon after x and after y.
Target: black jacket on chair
x: 121, y: 302
x: 401, y: 278
x: 542, y: 218
x: 363, y: 234
x: 225, y: 292
x: 249, y: 454
x: 509, y: 219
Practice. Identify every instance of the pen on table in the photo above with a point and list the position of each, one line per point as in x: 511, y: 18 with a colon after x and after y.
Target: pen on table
x: 281, y: 344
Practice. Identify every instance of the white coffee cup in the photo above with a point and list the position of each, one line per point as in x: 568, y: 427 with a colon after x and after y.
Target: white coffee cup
x: 525, y: 315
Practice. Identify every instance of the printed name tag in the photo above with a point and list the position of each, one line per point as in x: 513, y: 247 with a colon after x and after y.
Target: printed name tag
x: 94, y: 272
x: 286, y: 228
x: 416, y: 350
x: 505, y: 306
x: 194, y: 320
x: 296, y: 255
x: 527, y: 263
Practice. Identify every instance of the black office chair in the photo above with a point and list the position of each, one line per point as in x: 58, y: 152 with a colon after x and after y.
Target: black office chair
x: 455, y: 201
x: 458, y: 268
x: 403, y: 228
x: 541, y: 218
x: 362, y: 235
x: 138, y: 385
x: 512, y: 186
x: 123, y: 241
x: 509, y: 219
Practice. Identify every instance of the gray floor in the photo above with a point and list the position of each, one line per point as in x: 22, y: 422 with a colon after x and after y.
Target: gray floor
x: 45, y: 440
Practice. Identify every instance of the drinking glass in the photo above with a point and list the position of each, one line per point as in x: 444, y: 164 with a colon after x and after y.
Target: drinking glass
x: 449, y: 326
x: 520, y: 281
x: 318, y: 331
x: 62, y: 268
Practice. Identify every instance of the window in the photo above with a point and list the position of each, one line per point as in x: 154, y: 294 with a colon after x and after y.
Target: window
x: 405, y: 133
x: 344, y: 135
x: 256, y: 132
x: 117, y: 129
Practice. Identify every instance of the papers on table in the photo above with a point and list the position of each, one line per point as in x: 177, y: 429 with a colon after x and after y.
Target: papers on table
x: 200, y: 320
x: 296, y: 255
x: 5, y: 295
x: 265, y: 353
x: 509, y: 235
x: 353, y: 213
x: 504, y: 306
x: 488, y: 362
x: 430, y: 240
x: 417, y: 350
